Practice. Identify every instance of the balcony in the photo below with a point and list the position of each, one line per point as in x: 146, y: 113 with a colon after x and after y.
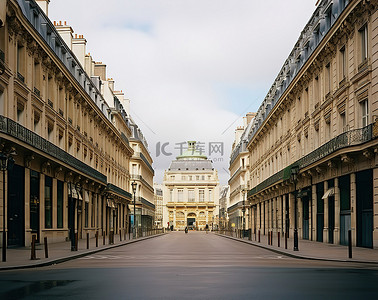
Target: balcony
x: 20, y: 77
x: 346, y: 139
x: 37, y: 92
x: 50, y: 103
x: 27, y: 136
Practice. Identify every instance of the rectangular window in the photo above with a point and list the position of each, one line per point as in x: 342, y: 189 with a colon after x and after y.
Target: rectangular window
x: 191, y: 197
x: 364, y: 43
x: 180, y: 195
x: 201, y: 195
x: 365, y: 113
x: 342, y: 63
x: 210, y: 195
x: 48, y: 202
x: 329, y: 16
x: 171, y: 195
x: 37, y: 78
x: 59, y: 216
x: 327, y: 79
x: 21, y: 62
x: 316, y: 91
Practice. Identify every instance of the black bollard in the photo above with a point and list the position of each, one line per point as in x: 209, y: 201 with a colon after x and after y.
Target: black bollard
x: 350, y: 243
x: 46, y: 249
x: 33, y: 255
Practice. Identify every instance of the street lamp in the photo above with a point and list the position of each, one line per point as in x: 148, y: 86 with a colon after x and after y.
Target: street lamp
x: 134, y: 187
x: 6, y: 163
x: 294, y: 177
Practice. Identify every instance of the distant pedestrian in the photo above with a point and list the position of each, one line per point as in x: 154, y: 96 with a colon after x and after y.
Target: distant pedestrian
x: 207, y: 228
x: 186, y: 229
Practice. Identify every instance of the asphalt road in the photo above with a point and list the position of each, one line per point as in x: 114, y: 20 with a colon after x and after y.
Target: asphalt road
x: 191, y: 266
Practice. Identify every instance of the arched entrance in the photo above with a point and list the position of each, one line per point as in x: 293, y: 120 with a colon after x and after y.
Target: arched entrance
x: 191, y: 221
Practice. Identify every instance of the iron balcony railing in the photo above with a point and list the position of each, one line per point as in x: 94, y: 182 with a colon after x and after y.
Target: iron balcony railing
x: 140, y: 154
x: 140, y: 177
x: 23, y: 134
x: 346, y: 139
x: 145, y: 202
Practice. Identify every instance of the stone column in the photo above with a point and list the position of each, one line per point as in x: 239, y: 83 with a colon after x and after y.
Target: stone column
x: 325, y: 229
x: 336, y: 231
x: 279, y: 214
x: 375, y: 208
x: 353, y: 208
x: 283, y: 222
x: 42, y: 205
x: 314, y: 211
x: 27, y: 207
x: 258, y: 209
x: 300, y: 217
x: 54, y: 203
x: 291, y: 214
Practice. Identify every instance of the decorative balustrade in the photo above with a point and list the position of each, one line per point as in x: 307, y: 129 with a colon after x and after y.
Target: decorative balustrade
x: 27, y: 136
x: 346, y: 139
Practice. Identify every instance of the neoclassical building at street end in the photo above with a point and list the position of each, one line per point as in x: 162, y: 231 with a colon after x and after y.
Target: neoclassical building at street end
x: 190, y: 191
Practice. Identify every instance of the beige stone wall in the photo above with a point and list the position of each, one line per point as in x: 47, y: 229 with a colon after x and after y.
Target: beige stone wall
x: 40, y: 94
x: 326, y: 99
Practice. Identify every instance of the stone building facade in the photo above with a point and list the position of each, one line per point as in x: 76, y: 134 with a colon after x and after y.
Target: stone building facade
x: 190, y: 191
x: 313, y: 143
x: 239, y: 182
x: 68, y: 138
x: 142, y: 173
x: 158, y: 205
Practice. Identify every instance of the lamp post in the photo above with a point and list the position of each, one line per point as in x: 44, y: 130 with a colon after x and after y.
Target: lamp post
x: 134, y: 187
x: 294, y: 177
x: 7, y: 163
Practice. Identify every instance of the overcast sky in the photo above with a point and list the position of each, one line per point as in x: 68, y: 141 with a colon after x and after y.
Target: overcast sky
x: 191, y: 68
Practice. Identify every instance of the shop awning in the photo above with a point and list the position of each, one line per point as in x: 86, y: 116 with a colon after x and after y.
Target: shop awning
x: 328, y: 193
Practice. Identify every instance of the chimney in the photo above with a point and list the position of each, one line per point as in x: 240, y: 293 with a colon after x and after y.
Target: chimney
x: 250, y: 116
x: 44, y: 4
x: 100, y: 70
x: 79, y: 44
x: 125, y: 102
x: 111, y: 84
x: 65, y: 31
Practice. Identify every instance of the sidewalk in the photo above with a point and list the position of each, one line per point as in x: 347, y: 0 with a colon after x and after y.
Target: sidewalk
x: 313, y: 250
x: 19, y: 258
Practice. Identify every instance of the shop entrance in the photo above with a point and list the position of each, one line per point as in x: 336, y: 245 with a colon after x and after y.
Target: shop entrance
x: 16, y: 205
x: 191, y: 223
